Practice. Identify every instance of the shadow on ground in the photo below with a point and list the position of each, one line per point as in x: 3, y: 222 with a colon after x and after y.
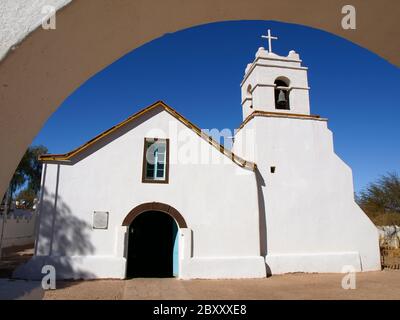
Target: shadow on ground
x: 11, y: 289
x: 63, y: 239
x: 13, y: 257
x: 20, y: 290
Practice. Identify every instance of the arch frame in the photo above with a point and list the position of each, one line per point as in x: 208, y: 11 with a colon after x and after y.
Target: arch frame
x: 155, y: 206
x: 43, y: 67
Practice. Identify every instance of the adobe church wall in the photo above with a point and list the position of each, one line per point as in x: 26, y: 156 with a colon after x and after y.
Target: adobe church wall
x: 216, y: 197
x: 311, y: 196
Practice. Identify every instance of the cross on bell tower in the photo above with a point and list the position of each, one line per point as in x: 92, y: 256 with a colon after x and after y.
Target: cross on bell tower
x: 270, y: 38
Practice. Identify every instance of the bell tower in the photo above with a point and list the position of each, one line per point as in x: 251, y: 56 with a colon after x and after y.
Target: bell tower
x: 275, y: 83
x: 303, y: 188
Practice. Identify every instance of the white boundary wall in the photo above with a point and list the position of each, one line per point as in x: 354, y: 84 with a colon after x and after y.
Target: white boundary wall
x: 19, y: 228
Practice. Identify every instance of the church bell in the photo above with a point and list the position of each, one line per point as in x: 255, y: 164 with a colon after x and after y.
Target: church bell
x: 282, y: 98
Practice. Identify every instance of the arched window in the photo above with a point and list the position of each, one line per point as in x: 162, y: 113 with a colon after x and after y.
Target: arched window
x: 282, y: 95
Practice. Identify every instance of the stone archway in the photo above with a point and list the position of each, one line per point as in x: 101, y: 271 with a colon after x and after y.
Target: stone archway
x: 41, y: 71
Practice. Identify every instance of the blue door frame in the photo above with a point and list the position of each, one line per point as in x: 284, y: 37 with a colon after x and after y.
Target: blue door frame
x: 175, y: 251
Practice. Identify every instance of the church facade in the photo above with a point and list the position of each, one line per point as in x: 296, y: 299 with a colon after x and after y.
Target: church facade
x: 156, y: 196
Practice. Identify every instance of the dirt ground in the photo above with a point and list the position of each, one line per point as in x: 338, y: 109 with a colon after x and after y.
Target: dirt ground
x: 12, y: 257
x: 369, y: 285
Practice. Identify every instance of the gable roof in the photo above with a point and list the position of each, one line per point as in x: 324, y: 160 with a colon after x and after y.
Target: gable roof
x: 66, y: 157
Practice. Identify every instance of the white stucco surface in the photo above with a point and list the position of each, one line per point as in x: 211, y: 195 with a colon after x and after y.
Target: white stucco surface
x: 216, y: 199
x: 258, y: 83
x: 310, y: 196
x: 311, y: 219
x: 18, y: 18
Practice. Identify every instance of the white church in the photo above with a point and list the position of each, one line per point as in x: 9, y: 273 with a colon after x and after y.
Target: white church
x: 155, y: 196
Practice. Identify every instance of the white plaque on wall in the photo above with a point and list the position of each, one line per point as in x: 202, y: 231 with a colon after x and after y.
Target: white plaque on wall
x: 100, y: 220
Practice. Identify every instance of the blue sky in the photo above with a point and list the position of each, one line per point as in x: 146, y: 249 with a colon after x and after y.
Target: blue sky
x: 197, y: 71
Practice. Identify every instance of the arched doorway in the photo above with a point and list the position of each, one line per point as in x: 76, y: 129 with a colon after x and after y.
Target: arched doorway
x: 152, y: 246
x: 153, y: 241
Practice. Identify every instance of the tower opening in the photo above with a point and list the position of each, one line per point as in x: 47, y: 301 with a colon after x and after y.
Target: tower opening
x: 281, y: 95
x: 249, y: 95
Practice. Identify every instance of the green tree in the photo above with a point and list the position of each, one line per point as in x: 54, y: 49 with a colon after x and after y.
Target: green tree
x: 34, y: 168
x: 381, y: 200
x: 28, y: 172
